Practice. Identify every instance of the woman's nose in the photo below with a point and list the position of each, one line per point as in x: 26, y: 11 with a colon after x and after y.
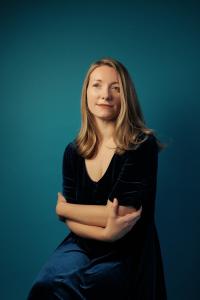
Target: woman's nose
x: 105, y: 93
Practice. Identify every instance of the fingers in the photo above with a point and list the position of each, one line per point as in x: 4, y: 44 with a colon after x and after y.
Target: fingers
x: 115, y: 207
x: 61, y: 197
x: 131, y: 220
x: 109, y: 203
x: 114, y: 210
x: 131, y: 223
x: 137, y: 212
x: 132, y: 216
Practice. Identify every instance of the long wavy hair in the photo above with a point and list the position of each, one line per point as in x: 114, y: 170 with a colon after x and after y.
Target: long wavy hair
x: 129, y: 125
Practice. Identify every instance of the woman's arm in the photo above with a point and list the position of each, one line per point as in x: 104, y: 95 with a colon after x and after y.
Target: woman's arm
x: 116, y: 227
x: 95, y: 215
x: 86, y: 231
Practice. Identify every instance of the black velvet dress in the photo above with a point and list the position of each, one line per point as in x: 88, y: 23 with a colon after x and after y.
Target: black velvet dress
x: 130, y: 268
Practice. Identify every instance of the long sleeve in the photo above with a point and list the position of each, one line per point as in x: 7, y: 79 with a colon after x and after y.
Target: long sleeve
x: 137, y: 178
x: 68, y: 174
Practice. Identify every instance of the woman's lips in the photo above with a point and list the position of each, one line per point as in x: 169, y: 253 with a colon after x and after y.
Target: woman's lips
x: 104, y: 105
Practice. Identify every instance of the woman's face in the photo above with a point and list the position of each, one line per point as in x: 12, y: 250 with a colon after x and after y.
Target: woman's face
x: 103, y: 93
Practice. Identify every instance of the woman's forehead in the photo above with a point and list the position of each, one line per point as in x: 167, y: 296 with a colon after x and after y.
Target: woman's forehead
x: 104, y: 73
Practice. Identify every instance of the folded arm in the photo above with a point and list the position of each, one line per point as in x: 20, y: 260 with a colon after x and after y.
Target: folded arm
x: 116, y: 226
x: 95, y: 215
x: 86, y: 231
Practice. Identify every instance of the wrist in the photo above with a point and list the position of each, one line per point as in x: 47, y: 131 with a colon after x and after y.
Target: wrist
x: 105, y: 235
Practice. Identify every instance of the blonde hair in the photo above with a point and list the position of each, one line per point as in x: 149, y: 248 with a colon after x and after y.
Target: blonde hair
x: 129, y: 124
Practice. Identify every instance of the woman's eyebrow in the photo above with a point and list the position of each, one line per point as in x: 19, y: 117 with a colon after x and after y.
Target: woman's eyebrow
x: 101, y: 81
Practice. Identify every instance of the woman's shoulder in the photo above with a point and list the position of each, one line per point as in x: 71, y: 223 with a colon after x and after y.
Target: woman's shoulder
x: 149, y: 139
x: 146, y: 140
x: 70, y: 148
x: 147, y: 144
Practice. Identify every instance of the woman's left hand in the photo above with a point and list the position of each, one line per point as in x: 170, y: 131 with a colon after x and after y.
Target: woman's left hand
x: 60, y: 202
x: 61, y: 198
x: 118, y: 226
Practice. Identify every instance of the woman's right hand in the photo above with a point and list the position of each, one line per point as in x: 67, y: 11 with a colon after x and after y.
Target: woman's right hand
x: 118, y: 226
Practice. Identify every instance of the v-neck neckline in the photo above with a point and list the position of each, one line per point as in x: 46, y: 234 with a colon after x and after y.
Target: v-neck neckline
x: 105, y: 173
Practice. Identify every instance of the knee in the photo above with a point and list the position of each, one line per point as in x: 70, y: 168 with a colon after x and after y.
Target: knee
x: 41, y: 289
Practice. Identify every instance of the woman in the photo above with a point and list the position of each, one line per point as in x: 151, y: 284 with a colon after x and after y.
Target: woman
x: 108, y: 200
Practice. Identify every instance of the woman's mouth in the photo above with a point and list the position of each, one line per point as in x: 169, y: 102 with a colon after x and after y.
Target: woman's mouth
x: 104, y: 105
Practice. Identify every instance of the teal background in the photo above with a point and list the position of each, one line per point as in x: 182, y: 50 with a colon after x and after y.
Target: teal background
x: 46, y: 48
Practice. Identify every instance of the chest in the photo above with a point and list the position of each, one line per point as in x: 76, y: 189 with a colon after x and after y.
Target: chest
x: 98, y: 166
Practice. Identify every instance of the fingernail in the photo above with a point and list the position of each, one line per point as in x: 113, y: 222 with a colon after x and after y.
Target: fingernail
x: 115, y: 201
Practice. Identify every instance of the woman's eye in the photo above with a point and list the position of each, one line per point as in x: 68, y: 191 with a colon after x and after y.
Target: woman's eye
x: 116, y: 88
